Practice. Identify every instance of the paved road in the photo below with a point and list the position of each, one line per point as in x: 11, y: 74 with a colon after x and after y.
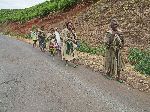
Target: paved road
x: 31, y: 81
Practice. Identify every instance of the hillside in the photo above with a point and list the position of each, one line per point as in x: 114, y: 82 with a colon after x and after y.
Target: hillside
x: 92, y: 22
x: 20, y: 21
x: 133, y: 17
x: 37, y: 11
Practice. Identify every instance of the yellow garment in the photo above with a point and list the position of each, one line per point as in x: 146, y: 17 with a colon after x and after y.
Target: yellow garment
x: 33, y: 35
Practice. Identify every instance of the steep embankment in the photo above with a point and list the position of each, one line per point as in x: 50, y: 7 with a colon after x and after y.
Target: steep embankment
x: 133, y: 17
x: 45, y: 14
x: 92, y: 21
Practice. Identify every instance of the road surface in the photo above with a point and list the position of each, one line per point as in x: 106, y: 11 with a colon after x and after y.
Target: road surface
x: 31, y: 81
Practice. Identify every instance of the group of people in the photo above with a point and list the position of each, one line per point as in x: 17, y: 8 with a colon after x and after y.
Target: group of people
x: 66, y: 42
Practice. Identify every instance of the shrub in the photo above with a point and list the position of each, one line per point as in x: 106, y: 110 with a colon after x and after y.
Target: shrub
x: 28, y: 36
x: 40, y: 10
x: 140, y: 59
x: 144, y: 66
x: 135, y: 55
x: 84, y: 47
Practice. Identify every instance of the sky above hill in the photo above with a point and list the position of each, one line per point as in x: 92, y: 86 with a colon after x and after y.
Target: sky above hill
x: 18, y: 4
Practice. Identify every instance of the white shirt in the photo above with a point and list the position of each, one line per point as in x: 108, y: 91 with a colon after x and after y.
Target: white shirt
x: 57, y: 35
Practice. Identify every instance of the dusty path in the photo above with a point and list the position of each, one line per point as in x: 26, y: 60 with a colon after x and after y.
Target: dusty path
x: 31, y: 81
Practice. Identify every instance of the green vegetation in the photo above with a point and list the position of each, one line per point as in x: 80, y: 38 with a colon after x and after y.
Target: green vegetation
x: 84, y: 47
x: 141, y: 60
x: 40, y: 10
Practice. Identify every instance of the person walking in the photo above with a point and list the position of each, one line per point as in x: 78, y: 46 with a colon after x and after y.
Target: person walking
x: 69, y: 44
x: 52, y: 42
x: 34, y: 37
x: 42, y: 39
x: 58, y: 41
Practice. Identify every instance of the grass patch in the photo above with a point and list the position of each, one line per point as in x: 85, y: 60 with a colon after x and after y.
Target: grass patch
x: 84, y: 47
x: 140, y: 59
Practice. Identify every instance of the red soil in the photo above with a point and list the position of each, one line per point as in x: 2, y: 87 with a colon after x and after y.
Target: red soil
x: 24, y: 28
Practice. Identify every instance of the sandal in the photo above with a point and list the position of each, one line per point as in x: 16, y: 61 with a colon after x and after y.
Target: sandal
x: 75, y: 66
x: 119, y: 80
x: 108, y: 77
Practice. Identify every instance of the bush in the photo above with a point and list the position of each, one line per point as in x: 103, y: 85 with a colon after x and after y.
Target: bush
x: 28, y: 36
x: 141, y: 60
x: 84, y: 47
x: 144, y: 66
x: 40, y: 10
x: 135, y: 55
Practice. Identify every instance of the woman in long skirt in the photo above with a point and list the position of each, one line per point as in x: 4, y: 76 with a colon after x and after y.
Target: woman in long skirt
x: 69, y: 44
